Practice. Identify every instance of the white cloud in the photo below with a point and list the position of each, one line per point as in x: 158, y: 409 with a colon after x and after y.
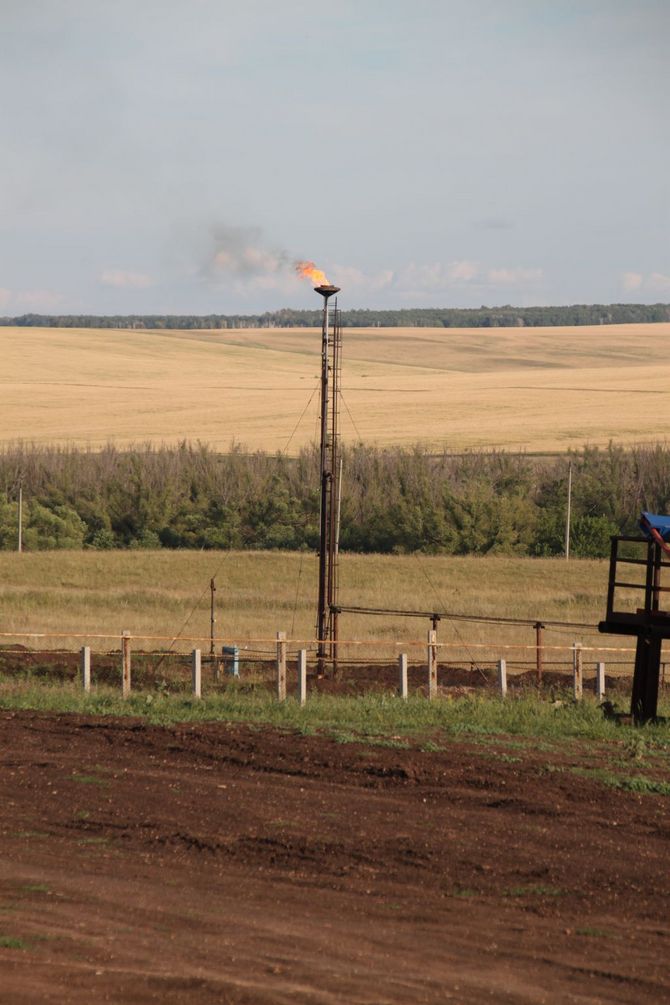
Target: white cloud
x: 657, y: 281
x: 632, y: 280
x: 653, y: 282
x: 513, y: 277
x: 247, y: 261
x: 462, y: 271
x: 434, y: 277
x: 125, y: 280
x: 30, y: 300
x: 39, y: 300
x: 351, y: 278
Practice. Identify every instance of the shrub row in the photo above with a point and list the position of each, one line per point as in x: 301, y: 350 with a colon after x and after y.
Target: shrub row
x: 393, y: 500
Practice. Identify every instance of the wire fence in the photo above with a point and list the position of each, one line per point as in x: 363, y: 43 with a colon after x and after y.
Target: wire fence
x: 359, y: 663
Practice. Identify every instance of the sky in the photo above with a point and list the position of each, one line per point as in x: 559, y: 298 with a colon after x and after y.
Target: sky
x: 179, y: 156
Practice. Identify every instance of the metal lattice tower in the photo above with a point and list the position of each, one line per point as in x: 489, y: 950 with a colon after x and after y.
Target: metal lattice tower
x: 330, y: 467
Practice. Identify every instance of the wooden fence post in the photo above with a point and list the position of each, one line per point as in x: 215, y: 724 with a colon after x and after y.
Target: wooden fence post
x: 125, y: 664
x: 502, y: 677
x: 402, y: 667
x: 432, y: 664
x: 302, y: 676
x: 85, y: 667
x: 196, y: 673
x: 577, y: 670
x: 281, y: 666
x: 600, y: 681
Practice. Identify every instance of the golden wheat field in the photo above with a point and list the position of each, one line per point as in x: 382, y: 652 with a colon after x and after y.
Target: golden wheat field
x: 539, y: 389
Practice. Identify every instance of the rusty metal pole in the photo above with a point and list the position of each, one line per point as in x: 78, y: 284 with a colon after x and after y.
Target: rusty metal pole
x: 125, y: 664
x: 19, y: 544
x: 539, y: 651
x: 432, y: 664
x: 326, y: 476
x: 212, y: 616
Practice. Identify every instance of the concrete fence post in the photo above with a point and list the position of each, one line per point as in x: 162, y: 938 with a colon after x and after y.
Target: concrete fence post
x: 281, y: 666
x: 196, y: 673
x: 577, y: 670
x: 600, y: 681
x: 125, y: 664
x: 402, y: 668
x: 432, y: 664
x: 302, y: 676
x: 502, y: 677
x: 85, y: 667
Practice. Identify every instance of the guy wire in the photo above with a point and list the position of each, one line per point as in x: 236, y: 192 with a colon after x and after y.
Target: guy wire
x: 190, y: 615
x: 297, y: 591
x: 440, y: 600
x: 302, y: 415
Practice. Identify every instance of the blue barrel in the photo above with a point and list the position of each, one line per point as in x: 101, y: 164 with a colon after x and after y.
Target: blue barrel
x: 231, y: 660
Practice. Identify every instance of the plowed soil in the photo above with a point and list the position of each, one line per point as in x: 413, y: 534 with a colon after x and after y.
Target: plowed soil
x: 218, y: 863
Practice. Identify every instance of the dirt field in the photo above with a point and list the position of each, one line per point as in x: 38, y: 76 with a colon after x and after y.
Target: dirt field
x: 538, y: 389
x: 229, y: 865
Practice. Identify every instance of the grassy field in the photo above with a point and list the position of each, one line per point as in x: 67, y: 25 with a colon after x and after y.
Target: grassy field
x: 375, y: 719
x: 541, y: 389
x: 166, y: 594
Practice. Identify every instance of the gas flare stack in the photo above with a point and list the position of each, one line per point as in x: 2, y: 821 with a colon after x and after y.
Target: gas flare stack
x: 327, y: 611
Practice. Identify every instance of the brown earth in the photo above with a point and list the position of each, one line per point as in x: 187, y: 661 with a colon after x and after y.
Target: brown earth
x: 219, y: 863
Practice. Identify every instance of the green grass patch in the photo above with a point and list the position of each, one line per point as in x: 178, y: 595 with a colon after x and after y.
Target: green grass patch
x: 628, y: 783
x: 11, y: 942
x: 89, y: 779
x: 369, y: 718
x: 533, y: 890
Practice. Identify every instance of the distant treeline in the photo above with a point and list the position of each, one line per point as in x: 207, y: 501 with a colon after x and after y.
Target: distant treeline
x: 421, y: 317
x: 394, y: 500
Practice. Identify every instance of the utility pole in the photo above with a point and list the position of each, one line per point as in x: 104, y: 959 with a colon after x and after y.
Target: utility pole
x: 567, y: 516
x: 19, y: 547
x: 212, y: 615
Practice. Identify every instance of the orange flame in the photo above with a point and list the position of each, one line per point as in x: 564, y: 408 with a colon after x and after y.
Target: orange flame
x: 308, y: 270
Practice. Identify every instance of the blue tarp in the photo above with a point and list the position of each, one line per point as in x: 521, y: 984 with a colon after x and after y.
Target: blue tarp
x: 659, y: 523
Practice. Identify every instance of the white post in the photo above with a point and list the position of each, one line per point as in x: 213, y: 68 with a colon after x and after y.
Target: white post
x: 302, y: 676
x: 125, y: 664
x: 502, y: 677
x: 577, y: 669
x: 85, y: 667
x: 432, y: 664
x: 281, y: 666
x: 196, y: 673
x: 600, y: 681
x: 402, y: 667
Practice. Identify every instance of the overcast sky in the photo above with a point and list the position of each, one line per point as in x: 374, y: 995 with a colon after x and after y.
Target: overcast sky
x: 179, y: 155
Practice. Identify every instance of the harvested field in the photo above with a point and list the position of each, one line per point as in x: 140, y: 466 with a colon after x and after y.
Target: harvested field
x: 539, y: 389
x: 220, y: 863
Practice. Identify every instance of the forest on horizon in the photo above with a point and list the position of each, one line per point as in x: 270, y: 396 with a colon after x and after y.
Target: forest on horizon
x: 419, y: 317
